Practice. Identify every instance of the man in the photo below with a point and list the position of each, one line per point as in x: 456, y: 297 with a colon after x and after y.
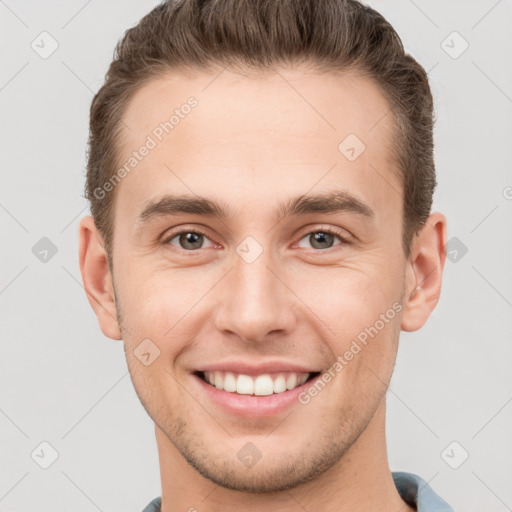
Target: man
x: 261, y: 176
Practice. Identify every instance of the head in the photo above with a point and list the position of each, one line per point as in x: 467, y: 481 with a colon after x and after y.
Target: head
x: 261, y: 178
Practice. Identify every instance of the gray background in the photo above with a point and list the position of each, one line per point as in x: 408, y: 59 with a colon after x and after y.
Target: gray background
x: 63, y: 382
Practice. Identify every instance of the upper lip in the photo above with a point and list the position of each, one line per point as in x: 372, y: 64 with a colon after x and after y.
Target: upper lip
x: 251, y: 368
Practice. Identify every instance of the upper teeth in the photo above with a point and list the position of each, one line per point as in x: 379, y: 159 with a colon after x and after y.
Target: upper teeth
x: 261, y: 385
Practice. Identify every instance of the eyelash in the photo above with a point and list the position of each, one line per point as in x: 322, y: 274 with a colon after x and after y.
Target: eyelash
x: 328, y: 231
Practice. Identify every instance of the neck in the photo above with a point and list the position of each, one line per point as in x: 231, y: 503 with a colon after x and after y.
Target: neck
x: 361, y: 480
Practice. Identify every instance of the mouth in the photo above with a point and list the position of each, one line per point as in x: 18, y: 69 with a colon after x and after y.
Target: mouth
x: 262, y: 385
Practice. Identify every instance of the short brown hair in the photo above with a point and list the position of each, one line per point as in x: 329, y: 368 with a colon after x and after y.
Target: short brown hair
x: 333, y: 35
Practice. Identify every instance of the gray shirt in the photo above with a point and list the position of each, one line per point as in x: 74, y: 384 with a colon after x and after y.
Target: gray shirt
x: 412, y: 488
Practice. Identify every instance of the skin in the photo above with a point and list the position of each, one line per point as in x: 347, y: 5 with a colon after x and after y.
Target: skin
x: 251, y: 144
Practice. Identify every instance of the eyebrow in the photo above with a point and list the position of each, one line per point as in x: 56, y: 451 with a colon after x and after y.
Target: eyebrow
x: 332, y: 202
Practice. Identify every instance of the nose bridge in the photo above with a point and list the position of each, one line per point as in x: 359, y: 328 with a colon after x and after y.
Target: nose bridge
x: 256, y: 302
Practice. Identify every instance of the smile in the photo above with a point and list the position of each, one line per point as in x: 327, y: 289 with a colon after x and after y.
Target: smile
x: 261, y: 395
x: 259, y: 385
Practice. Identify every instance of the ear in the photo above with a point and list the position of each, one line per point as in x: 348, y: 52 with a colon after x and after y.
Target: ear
x: 424, y: 271
x: 97, y: 278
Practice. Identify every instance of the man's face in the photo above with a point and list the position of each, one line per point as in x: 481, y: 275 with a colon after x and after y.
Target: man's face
x: 256, y: 292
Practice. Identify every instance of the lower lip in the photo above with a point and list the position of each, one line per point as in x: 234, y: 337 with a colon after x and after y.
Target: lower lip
x: 252, y: 406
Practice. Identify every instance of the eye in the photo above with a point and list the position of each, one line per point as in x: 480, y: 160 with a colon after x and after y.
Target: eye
x: 322, y: 239
x: 192, y: 240
x: 188, y: 240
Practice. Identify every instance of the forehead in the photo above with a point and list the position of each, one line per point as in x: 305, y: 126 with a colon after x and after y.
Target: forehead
x: 277, y: 130
x: 326, y: 104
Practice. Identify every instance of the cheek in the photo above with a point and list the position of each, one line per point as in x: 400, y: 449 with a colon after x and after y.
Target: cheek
x: 156, y: 309
x: 158, y: 304
x: 157, y: 296
x: 348, y: 299
x: 362, y: 312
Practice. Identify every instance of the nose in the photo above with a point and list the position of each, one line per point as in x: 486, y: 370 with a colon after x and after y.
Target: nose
x: 256, y: 302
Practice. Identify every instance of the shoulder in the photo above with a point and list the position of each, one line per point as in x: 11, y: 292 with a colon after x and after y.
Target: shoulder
x: 416, y: 492
x: 154, y: 505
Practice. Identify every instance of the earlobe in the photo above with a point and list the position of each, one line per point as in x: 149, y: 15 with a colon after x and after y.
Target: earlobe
x: 424, y: 273
x: 97, y: 278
